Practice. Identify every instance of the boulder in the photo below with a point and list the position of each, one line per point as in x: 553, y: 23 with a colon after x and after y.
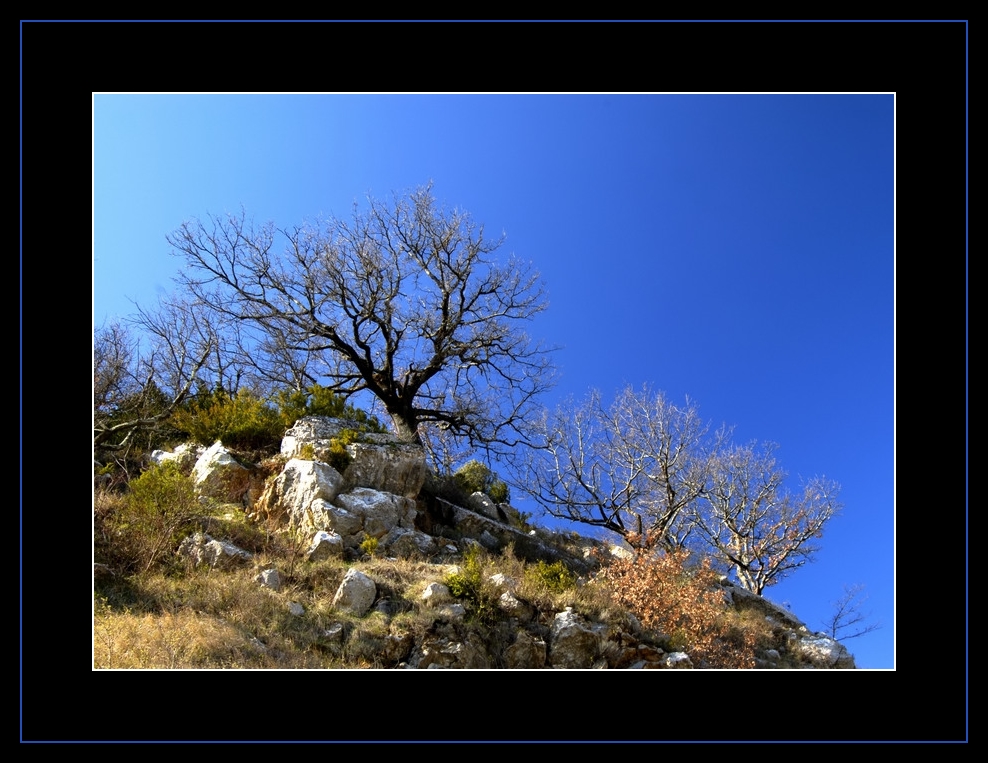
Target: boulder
x: 824, y: 652
x: 217, y: 474
x: 325, y: 545
x: 573, y: 643
x: 317, y: 431
x: 356, y: 593
x: 677, y: 661
x: 379, y: 512
x: 435, y: 594
x: 269, y: 579
x: 406, y: 543
x: 445, y: 653
x: 200, y: 548
x: 527, y: 652
x: 184, y: 456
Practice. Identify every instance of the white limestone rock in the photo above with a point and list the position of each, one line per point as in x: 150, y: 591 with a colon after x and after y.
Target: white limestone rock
x: 573, y: 643
x: 200, y: 548
x: 269, y: 579
x: 217, y: 474
x: 356, y: 593
x: 288, y: 497
x: 379, y: 511
x: 325, y: 545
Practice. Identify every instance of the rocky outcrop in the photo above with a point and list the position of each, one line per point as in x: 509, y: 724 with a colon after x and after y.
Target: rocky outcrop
x: 375, y: 497
x: 377, y: 461
x: 495, y: 535
x: 441, y: 652
x: 184, y: 456
x: 317, y: 431
x: 823, y: 651
x: 377, y: 511
x: 528, y: 652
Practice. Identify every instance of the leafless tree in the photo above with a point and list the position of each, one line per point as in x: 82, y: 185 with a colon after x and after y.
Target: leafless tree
x: 754, y: 525
x: 633, y: 467
x: 404, y: 301
x: 847, y: 620
x: 114, y: 352
x: 132, y: 393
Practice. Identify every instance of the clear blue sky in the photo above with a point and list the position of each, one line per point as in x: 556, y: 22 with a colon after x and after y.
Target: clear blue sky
x: 738, y: 249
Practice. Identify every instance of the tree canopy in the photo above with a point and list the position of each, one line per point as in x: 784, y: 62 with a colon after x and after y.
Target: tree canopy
x: 653, y: 473
x: 404, y: 300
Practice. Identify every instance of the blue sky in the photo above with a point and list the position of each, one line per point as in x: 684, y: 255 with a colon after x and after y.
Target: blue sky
x: 738, y: 249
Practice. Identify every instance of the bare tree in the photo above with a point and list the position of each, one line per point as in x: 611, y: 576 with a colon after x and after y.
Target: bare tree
x: 131, y: 392
x: 404, y: 301
x: 755, y: 526
x: 847, y: 620
x: 633, y: 467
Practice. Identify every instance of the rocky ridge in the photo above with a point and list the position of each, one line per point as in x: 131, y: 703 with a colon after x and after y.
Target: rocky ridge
x: 377, y: 496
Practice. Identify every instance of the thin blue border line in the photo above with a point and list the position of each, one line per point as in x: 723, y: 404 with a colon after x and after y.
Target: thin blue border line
x: 502, y: 21
x: 20, y: 372
x: 967, y: 550
x: 21, y: 439
x: 498, y: 741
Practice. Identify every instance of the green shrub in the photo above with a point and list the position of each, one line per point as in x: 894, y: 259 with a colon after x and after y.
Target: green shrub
x: 339, y: 456
x: 468, y: 584
x: 148, y: 523
x: 320, y: 401
x: 475, y: 477
x: 243, y: 421
x: 550, y: 578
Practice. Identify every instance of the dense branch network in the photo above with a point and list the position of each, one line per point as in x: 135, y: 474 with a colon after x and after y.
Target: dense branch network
x: 404, y: 301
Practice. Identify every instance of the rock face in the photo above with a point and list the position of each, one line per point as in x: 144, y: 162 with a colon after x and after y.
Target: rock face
x: 392, y: 468
x: 527, y: 652
x: 217, y: 474
x: 317, y: 431
x: 185, y: 456
x: 439, y: 653
x: 373, y: 497
x: 378, y: 511
x: 288, y: 498
x: 378, y: 461
x: 824, y: 652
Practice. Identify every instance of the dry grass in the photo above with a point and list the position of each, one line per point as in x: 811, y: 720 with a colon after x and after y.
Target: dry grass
x: 172, y: 616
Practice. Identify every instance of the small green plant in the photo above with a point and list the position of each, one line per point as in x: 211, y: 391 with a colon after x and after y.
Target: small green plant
x: 468, y: 584
x: 369, y: 545
x: 550, y: 578
x: 321, y: 401
x: 307, y: 452
x: 475, y: 477
x: 339, y: 455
